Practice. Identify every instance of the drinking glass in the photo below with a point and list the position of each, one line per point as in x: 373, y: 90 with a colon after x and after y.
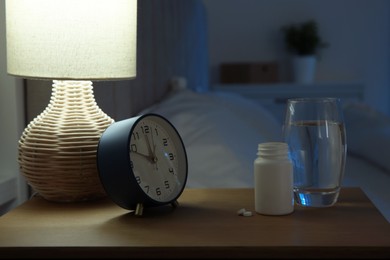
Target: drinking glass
x: 314, y: 130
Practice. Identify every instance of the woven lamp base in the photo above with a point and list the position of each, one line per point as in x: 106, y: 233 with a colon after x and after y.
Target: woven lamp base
x: 57, y: 150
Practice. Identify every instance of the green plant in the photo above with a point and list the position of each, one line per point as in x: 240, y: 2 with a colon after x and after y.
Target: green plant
x: 303, y: 39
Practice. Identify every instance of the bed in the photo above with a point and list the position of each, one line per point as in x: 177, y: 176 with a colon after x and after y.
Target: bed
x: 220, y: 131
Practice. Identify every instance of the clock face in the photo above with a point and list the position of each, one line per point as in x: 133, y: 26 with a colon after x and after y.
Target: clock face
x: 157, y: 158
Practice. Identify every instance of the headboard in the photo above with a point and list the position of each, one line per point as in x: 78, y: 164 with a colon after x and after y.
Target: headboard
x: 171, y: 42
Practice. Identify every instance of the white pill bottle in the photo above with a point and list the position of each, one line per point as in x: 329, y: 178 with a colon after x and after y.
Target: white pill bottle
x: 273, y: 179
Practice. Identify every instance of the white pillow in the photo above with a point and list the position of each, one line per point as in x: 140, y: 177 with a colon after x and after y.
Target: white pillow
x: 368, y: 134
x: 221, y: 134
x: 252, y: 113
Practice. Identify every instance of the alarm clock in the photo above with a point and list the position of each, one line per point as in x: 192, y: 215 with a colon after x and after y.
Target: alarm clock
x: 142, y: 162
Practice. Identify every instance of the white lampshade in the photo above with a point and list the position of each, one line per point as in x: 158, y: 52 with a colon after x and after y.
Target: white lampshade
x: 72, y: 39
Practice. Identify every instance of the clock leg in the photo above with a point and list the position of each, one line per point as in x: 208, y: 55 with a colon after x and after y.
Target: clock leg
x: 175, y: 204
x: 139, y: 210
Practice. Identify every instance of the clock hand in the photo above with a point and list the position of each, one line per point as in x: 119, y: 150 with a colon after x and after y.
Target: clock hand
x: 152, y: 154
x: 154, y: 145
x: 150, y: 159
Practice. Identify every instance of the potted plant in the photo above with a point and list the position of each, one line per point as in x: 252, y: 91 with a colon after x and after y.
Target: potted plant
x: 304, y: 42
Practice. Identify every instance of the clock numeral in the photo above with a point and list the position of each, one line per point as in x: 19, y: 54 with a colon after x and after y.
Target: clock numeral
x: 135, y: 136
x: 133, y: 148
x: 171, y: 157
x: 165, y: 141
x: 166, y: 183
x: 156, y: 131
x: 131, y: 165
x: 145, y: 129
x: 171, y: 170
x: 158, y: 191
x: 147, y: 188
x: 138, y: 179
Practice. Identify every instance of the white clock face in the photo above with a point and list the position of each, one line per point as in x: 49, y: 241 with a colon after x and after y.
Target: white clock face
x: 158, y: 158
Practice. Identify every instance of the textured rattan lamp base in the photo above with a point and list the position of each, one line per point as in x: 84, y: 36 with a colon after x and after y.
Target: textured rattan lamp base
x: 57, y: 150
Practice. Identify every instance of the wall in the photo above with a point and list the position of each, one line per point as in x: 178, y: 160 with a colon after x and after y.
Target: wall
x: 12, y: 186
x: 357, y: 30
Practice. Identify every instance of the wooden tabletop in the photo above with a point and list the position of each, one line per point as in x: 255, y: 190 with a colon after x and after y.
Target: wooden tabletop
x: 205, y: 224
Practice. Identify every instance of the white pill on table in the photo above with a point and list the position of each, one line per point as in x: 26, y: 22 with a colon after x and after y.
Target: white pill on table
x: 247, y: 214
x: 241, y: 211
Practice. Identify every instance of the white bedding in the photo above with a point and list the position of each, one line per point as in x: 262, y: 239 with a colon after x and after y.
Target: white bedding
x: 372, y: 180
x: 221, y: 133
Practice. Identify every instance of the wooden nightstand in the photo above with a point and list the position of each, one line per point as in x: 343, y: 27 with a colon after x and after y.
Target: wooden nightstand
x: 205, y: 224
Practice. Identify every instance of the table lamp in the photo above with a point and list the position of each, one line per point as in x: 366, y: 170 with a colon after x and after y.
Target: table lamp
x: 71, y: 42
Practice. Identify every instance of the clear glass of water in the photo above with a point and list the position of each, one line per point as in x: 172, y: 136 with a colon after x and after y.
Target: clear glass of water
x: 314, y: 130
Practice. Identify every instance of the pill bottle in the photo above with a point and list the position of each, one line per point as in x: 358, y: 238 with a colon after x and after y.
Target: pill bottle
x: 273, y: 179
